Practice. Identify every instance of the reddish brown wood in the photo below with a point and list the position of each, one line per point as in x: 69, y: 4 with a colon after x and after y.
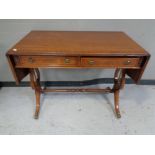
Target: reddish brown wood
x: 77, y: 62
x: 47, y: 61
x: 18, y: 73
x: 116, y: 102
x: 137, y: 74
x: 37, y: 93
x: 118, y: 82
x: 106, y: 90
x: 123, y: 78
x: 53, y: 49
x: 116, y: 88
x: 77, y: 43
x: 111, y: 62
x: 35, y: 84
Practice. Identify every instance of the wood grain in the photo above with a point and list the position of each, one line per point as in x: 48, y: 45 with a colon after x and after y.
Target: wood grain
x: 108, y: 62
x: 77, y: 43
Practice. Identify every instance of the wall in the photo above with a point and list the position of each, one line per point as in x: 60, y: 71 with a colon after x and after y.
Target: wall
x: 11, y: 31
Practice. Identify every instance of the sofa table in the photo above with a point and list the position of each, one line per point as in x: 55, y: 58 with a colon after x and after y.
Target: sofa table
x: 77, y: 49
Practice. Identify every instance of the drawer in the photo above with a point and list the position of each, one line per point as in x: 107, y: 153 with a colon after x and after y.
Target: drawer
x: 110, y: 62
x: 46, y: 61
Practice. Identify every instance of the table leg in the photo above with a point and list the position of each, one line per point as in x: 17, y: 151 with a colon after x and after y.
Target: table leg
x: 116, y: 101
x: 123, y: 79
x: 119, y: 82
x: 35, y: 84
x: 37, y: 93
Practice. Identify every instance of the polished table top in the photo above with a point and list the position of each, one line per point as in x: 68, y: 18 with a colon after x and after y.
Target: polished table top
x: 77, y: 43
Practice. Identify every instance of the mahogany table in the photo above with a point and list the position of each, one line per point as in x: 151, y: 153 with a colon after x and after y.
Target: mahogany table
x: 68, y: 49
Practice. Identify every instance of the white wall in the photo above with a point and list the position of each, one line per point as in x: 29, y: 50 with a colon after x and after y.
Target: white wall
x: 142, y: 31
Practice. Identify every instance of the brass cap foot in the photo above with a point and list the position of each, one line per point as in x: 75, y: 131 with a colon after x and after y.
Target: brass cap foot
x: 118, y: 114
x: 36, y: 116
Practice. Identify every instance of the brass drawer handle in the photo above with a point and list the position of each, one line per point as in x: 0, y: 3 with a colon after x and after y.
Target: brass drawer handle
x: 66, y: 61
x: 91, y: 62
x: 127, y: 62
x: 31, y: 60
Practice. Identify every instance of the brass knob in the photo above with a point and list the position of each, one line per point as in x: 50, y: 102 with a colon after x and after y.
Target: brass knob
x: 31, y: 60
x: 91, y: 62
x: 127, y: 62
x: 67, y: 61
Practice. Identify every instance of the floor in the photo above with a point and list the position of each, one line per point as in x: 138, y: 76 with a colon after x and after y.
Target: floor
x: 77, y: 113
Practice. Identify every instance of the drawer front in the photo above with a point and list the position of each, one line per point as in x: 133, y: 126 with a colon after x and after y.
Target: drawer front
x: 110, y: 62
x: 46, y: 61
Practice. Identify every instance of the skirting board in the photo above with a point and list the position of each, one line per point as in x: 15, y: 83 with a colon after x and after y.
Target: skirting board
x: 73, y: 83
